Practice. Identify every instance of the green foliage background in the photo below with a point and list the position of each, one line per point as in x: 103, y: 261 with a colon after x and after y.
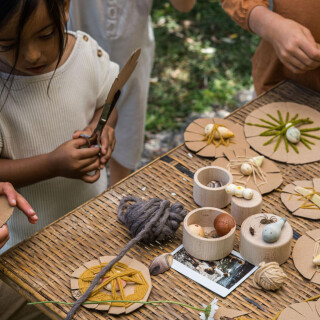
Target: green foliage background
x: 202, y: 60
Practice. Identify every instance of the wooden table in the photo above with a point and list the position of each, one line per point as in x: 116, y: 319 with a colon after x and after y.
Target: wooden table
x: 40, y: 267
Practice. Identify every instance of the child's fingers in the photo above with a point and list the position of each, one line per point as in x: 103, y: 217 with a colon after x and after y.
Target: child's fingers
x: 77, y: 133
x: 91, y: 179
x: 91, y: 166
x: 24, y: 206
x: 4, y: 235
x: 7, y: 189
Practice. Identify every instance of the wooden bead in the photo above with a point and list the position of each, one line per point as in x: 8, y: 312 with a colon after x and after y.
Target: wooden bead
x: 85, y: 38
x: 99, y: 53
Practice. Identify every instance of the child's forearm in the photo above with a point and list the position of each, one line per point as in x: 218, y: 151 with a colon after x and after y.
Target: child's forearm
x: 23, y: 172
x: 183, y: 5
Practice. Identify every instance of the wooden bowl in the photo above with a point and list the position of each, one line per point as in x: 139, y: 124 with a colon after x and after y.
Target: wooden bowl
x: 206, y: 248
x: 211, y: 197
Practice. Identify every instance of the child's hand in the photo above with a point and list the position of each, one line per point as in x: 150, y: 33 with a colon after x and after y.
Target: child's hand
x: 70, y: 161
x: 15, y: 199
x: 108, y: 142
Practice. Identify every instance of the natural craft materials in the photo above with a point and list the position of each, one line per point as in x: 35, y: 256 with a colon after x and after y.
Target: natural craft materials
x: 207, y: 249
x: 223, y: 224
x: 246, y: 169
x: 242, y: 208
x: 211, y: 197
x: 214, y: 184
x: 210, y: 137
x: 161, y: 264
x: 197, y: 230
x: 285, y: 131
x: 302, y: 198
x: 239, y: 191
x: 306, y: 249
x: 255, y: 250
x: 269, y: 276
x: 265, y: 175
x: 308, y: 310
x: 271, y: 232
x: 149, y: 221
x: 128, y: 279
x: 6, y: 210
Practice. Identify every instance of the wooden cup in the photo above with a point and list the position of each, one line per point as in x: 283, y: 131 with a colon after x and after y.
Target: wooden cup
x: 242, y: 208
x: 211, y: 197
x: 206, y: 248
x: 255, y: 250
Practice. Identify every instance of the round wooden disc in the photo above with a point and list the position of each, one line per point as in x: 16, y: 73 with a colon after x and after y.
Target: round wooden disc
x: 303, y: 254
x: 6, y: 210
x: 268, y: 167
x: 293, y: 202
x: 128, y: 289
x: 194, y: 134
x: 256, y: 141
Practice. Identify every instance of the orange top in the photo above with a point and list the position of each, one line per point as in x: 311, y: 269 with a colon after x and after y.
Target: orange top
x: 267, y: 70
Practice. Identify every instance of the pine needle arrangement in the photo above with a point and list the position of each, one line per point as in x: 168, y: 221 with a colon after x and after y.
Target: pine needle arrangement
x: 276, y: 128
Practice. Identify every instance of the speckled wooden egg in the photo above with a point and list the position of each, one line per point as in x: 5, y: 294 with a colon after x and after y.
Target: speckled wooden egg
x: 231, y: 189
x: 197, y: 230
x: 246, y: 169
x: 239, y: 191
x: 248, y: 193
x: 293, y: 135
x: 223, y: 223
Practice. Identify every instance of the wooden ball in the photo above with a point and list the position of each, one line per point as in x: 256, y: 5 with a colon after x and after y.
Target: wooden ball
x: 223, y: 223
x: 197, y: 230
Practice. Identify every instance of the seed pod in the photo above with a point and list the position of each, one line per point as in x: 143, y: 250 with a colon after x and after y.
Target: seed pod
x: 160, y: 264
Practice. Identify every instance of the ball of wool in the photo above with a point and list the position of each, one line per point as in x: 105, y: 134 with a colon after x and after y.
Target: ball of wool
x: 270, y: 276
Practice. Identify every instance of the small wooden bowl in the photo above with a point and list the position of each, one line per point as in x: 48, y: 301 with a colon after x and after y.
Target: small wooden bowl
x: 242, y: 208
x: 211, y: 197
x: 206, y: 248
x: 255, y: 250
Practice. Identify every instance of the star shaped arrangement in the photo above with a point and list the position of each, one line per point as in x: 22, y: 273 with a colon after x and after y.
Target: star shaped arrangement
x: 128, y: 279
x: 285, y: 131
x: 265, y: 175
x: 302, y: 198
x: 212, y: 144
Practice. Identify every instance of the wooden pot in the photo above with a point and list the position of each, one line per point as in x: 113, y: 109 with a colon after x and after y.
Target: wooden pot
x: 206, y: 248
x: 255, y: 250
x: 211, y: 197
x: 242, y: 208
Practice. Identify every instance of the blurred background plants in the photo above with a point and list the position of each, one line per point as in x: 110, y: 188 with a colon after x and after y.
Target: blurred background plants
x: 202, y: 60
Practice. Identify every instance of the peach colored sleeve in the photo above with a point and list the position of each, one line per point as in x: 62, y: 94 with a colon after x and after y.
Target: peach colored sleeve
x: 239, y: 10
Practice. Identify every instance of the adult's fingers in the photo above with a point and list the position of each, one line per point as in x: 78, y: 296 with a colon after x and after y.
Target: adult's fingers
x: 4, y: 235
x: 309, y: 45
x: 26, y: 208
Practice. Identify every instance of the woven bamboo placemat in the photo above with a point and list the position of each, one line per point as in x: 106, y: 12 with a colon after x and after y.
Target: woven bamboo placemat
x: 40, y: 267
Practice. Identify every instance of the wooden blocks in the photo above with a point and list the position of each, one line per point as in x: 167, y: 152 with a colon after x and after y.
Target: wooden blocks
x: 242, y: 208
x: 206, y: 248
x: 255, y: 250
x: 205, y: 196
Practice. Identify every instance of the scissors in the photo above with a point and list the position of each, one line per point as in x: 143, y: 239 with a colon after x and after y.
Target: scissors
x: 113, y: 96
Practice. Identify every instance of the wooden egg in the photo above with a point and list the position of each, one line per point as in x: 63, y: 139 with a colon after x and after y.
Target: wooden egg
x: 197, y: 230
x: 223, y: 223
x: 231, y: 189
x: 208, y: 128
x: 239, y: 191
x: 246, y: 169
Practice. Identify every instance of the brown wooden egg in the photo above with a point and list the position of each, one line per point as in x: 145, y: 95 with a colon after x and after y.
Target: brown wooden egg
x: 196, y: 229
x: 223, y: 223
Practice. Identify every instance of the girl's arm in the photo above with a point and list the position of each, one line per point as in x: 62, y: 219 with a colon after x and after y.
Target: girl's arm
x: 68, y: 160
x: 183, y: 5
x: 293, y: 43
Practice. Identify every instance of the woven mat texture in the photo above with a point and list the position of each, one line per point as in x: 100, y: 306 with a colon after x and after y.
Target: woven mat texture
x: 41, y: 265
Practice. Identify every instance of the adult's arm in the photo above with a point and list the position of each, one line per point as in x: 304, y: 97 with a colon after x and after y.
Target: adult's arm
x: 183, y: 5
x: 240, y: 10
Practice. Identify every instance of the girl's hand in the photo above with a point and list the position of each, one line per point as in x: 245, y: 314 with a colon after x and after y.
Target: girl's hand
x: 108, y: 142
x: 295, y: 46
x: 15, y: 199
x: 70, y: 161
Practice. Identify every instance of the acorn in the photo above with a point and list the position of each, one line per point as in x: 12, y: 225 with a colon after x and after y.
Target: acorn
x: 223, y: 223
